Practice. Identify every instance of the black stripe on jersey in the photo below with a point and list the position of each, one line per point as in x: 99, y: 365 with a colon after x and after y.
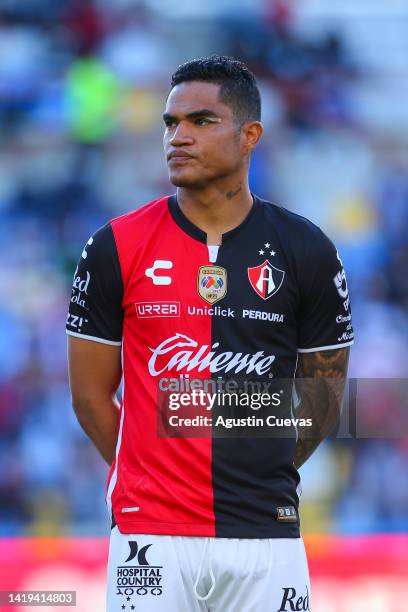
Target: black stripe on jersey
x: 252, y: 476
x: 95, y: 310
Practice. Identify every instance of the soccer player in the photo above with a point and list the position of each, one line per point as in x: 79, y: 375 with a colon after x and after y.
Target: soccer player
x: 211, y: 283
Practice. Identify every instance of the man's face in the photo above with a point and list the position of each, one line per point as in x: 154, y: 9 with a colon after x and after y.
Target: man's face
x: 201, y: 141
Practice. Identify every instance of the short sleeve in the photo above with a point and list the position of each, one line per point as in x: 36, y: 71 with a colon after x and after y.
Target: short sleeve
x: 325, y: 311
x: 95, y: 309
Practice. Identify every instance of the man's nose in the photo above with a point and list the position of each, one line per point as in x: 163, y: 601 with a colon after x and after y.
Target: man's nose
x: 181, y: 135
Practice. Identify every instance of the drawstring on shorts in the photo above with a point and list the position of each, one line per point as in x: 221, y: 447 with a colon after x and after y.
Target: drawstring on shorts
x: 209, y: 542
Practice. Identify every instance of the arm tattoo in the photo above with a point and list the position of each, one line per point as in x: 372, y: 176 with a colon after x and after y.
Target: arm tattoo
x: 320, y: 379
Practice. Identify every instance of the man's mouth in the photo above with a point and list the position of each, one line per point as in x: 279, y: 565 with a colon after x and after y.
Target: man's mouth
x: 179, y: 157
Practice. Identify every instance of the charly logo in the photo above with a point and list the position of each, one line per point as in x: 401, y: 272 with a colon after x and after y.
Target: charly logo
x: 212, y: 283
x: 265, y: 279
x: 340, y: 282
x: 181, y: 352
x: 159, y: 264
x: 291, y: 601
x: 140, y: 579
x: 84, y: 252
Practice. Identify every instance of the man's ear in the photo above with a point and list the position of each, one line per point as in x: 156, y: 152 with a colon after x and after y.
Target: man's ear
x: 251, y: 134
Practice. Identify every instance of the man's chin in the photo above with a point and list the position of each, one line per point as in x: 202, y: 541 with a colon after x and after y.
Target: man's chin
x: 179, y: 180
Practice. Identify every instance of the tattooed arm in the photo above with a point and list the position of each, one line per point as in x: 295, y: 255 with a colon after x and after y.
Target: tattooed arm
x: 320, y: 380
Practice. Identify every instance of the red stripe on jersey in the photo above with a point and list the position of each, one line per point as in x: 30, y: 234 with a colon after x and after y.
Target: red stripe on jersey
x: 164, y: 485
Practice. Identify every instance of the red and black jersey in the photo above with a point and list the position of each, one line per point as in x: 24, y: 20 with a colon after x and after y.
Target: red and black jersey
x: 181, y: 309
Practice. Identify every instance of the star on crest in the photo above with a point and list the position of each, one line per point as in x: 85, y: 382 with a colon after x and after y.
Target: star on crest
x: 261, y: 252
x: 267, y: 245
x: 273, y: 253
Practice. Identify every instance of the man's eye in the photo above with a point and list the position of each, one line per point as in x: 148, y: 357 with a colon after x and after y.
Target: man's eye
x: 169, y: 124
x: 201, y: 121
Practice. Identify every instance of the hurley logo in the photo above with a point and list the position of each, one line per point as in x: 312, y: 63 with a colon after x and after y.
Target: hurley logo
x: 141, y: 579
x: 141, y: 554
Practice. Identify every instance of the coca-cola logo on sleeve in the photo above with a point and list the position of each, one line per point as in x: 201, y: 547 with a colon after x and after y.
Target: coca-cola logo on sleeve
x: 80, y: 289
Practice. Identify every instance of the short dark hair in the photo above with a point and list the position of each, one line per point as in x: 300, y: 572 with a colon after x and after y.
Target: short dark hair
x: 238, y: 87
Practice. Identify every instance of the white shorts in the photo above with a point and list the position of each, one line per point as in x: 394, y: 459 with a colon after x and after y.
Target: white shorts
x: 156, y: 573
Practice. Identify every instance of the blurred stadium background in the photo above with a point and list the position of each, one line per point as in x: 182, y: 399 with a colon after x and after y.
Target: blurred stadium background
x: 82, y: 87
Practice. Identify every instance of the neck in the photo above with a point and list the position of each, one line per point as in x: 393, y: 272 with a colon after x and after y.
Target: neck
x: 216, y: 210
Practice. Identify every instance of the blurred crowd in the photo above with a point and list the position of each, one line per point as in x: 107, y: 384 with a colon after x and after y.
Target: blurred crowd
x: 82, y: 87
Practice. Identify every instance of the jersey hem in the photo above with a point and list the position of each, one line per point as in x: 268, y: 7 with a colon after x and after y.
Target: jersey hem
x: 325, y: 348
x: 174, y: 529
x: 186, y: 529
x: 94, y: 338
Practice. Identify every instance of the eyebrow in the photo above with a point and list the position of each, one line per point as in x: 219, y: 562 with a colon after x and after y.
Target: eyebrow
x: 203, y: 112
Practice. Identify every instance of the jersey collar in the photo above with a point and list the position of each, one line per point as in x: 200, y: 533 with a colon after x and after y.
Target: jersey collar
x: 198, y: 234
